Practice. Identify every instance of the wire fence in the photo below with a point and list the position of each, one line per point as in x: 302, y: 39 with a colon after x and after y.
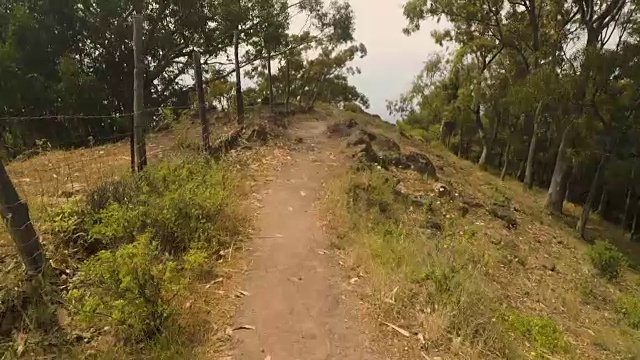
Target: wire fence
x: 45, y: 177
x: 63, y: 156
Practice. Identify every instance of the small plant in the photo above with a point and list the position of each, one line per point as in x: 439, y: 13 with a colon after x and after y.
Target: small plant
x: 129, y: 289
x: 353, y: 107
x: 607, y: 260
x: 43, y: 145
x: 69, y: 225
x: 374, y: 189
x: 118, y: 191
x: 628, y: 309
x: 181, y: 203
x: 540, y: 331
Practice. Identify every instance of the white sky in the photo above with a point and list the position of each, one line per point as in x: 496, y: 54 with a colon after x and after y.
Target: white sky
x: 393, y: 58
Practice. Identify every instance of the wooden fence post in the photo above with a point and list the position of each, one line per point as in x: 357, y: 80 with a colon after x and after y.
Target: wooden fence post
x: 239, y: 96
x: 287, y: 83
x: 138, y: 97
x: 202, y: 111
x: 15, y: 213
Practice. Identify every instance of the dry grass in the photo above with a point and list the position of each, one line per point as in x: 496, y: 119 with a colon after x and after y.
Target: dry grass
x: 539, y: 270
x: 51, y: 179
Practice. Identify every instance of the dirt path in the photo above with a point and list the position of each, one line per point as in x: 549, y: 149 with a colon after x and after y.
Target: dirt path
x: 296, y: 296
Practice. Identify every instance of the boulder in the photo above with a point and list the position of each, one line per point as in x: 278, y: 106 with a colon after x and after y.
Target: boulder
x: 505, y: 215
x: 360, y: 137
x: 343, y: 128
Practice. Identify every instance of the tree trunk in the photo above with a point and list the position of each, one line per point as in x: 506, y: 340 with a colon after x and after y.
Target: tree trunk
x: 586, y: 208
x: 528, y: 175
x: 505, y: 164
x: 269, y: 79
x: 15, y: 214
x: 132, y: 148
x: 287, y: 83
x: 483, y: 138
x: 461, y: 143
x: 603, y: 201
x: 566, y: 182
x: 634, y: 227
x: 627, y: 205
x: 494, y: 136
x: 239, y: 96
x: 520, y: 170
x: 556, y: 195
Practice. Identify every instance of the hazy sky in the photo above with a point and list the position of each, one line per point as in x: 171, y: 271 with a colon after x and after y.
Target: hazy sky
x: 394, y: 58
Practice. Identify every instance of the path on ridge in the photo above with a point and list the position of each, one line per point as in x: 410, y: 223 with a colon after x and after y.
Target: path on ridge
x: 296, y: 295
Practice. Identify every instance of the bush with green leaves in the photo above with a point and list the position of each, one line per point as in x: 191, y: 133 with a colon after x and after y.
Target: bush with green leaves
x: 606, y: 258
x: 373, y: 188
x: 353, y: 107
x: 129, y: 289
x: 627, y: 307
x: 541, y: 332
x: 181, y: 202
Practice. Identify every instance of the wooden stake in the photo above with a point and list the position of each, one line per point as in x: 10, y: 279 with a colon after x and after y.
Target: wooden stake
x: 202, y: 111
x: 138, y: 97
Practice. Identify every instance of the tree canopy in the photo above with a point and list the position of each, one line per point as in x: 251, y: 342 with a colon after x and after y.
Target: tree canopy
x: 548, y: 90
x: 66, y: 61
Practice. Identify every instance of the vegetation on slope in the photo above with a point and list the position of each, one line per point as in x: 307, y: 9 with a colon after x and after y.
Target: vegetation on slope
x: 543, y: 91
x: 477, y: 270
x: 123, y: 260
x: 125, y: 253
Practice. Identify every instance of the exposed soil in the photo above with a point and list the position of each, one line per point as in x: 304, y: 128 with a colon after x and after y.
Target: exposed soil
x: 297, y: 300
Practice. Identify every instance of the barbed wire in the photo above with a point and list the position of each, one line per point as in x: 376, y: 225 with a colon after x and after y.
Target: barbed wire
x: 8, y: 218
x: 91, y: 169
x: 107, y: 116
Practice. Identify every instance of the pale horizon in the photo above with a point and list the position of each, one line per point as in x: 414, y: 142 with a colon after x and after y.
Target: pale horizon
x: 393, y: 59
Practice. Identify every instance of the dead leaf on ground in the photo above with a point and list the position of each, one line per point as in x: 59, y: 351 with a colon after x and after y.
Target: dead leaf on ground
x: 244, y: 327
x: 353, y: 281
x: 242, y: 293
x: 392, y: 298
x: 302, y: 193
x: 398, y: 329
x: 218, y: 280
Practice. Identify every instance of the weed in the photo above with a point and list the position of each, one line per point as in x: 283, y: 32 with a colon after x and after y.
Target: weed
x: 353, y: 107
x: 540, y: 331
x: 627, y: 307
x: 440, y: 276
x: 606, y: 258
x: 128, y: 289
x: 180, y: 202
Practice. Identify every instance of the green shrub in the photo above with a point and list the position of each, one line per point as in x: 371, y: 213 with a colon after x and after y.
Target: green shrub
x: 69, y: 226
x: 353, y: 107
x: 540, y: 331
x: 628, y: 309
x: 181, y: 202
x: 607, y: 260
x: 119, y: 191
x: 129, y: 289
x: 374, y: 189
x: 194, y: 204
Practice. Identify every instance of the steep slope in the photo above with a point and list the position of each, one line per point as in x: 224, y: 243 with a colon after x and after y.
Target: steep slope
x: 471, y: 267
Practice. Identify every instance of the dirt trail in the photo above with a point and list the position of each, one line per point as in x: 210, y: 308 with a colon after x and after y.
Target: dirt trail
x: 296, y: 296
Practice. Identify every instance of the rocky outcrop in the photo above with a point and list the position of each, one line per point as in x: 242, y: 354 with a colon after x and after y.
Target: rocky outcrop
x: 386, y: 152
